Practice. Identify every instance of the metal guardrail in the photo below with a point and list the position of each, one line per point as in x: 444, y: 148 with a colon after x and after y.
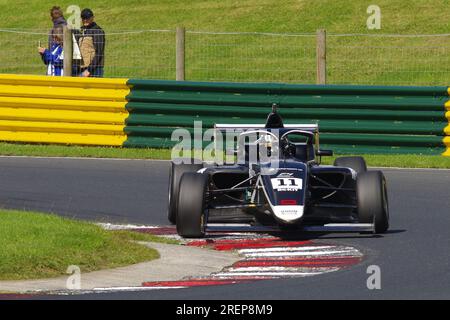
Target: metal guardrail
x: 369, y: 119
x: 447, y: 128
x: 144, y: 113
x: 62, y: 110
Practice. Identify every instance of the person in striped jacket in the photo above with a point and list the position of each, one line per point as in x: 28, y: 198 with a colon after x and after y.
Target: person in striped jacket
x: 54, y: 57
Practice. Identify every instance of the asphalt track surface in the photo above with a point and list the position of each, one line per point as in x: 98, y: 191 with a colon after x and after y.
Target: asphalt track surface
x: 414, y: 256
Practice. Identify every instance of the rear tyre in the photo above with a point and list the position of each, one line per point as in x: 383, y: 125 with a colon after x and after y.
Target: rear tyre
x: 191, y: 205
x: 373, y: 206
x: 175, y: 173
x: 356, y: 163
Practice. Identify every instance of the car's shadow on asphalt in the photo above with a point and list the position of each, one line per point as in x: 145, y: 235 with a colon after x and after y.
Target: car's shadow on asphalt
x: 291, y: 236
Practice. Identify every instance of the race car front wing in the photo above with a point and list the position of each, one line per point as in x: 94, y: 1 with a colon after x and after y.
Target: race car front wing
x: 331, y: 227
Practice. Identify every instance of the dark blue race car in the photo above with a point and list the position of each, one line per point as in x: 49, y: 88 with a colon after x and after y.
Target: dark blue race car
x: 277, y: 184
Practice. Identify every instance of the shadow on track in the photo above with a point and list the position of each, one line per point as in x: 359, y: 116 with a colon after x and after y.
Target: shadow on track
x: 292, y: 235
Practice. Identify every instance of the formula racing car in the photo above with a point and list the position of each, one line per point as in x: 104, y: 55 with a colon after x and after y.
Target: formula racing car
x: 277, y: 184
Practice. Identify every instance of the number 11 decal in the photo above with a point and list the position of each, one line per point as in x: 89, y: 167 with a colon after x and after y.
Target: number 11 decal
x: 287, y: 184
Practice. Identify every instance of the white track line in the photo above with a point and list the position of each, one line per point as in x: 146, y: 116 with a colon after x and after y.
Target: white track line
x: 286, y: 249
x: 267, y: 274
x: 114, y: 289
x: 81, y: 158
x: 162, y: 160
x: 110, y: 226
x: 280, y: 269
x: 303, y: 253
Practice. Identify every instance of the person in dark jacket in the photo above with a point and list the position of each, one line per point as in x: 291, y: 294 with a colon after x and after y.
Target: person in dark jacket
x: 91, y: 40
x: 58, y: 21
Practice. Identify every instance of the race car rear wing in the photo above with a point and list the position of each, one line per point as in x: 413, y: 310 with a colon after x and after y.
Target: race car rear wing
x: 243, y: 127
x: 237, y: 128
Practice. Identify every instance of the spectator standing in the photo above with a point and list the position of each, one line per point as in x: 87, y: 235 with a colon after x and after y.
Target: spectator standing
x: 58, y: 21
x: 91, y: 40
x: 54, y: 57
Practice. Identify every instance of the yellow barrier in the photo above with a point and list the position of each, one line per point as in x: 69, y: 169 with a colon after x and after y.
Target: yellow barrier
x: 65, y: 110
x: 55, y: 115
x: 447, y: 144
x: 447, y: 128
x: 71, y: 82
x: 82, y: 105
x: 64, y: 138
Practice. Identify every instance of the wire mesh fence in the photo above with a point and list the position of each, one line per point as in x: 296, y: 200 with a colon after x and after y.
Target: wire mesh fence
x: 389, y: 59
x: 19, y: 51
x: 253, y: 57
x: 140, y: 54
x: 250, y: 57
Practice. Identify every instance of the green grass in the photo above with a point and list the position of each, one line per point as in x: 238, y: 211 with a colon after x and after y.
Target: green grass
x: 374, y: 160
x: 36, y: 245
x: 18, y: 149
x: 401, y: 161
x: 357, y: 60
x: 142, y: 237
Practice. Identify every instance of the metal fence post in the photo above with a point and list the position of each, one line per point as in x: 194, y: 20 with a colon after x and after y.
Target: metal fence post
x: 68, y: 51
x: 180, y: 48
x: 321, y: 56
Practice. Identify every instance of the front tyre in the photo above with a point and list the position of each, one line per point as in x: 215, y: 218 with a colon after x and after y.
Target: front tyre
x: 191, y: 205
x: 175, y: 174
x: 373, y: 206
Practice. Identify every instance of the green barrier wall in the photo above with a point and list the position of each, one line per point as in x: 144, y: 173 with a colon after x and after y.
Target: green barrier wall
x: 352, y: 119
x: 144, y: 113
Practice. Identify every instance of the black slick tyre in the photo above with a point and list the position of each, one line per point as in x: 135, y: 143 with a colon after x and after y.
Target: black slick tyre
x: 175, y: 173
x: 191, y: 204
x: 373, y: 206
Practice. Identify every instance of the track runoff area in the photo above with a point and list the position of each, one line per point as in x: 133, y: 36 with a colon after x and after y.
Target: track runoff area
x: 261, y: 257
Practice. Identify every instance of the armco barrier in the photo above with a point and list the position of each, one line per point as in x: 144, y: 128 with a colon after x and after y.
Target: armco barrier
x: 360, y: 119
x: 63, y: 110
x: 447, y: 129
x: 143, y: 113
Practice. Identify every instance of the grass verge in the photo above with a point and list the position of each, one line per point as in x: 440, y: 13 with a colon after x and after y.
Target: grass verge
x: 351, y: 59
x: 373, y: 160
x: 401, y: 161
x: 36, y: 245
x: 18, y: 149
x: 143, y: 237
